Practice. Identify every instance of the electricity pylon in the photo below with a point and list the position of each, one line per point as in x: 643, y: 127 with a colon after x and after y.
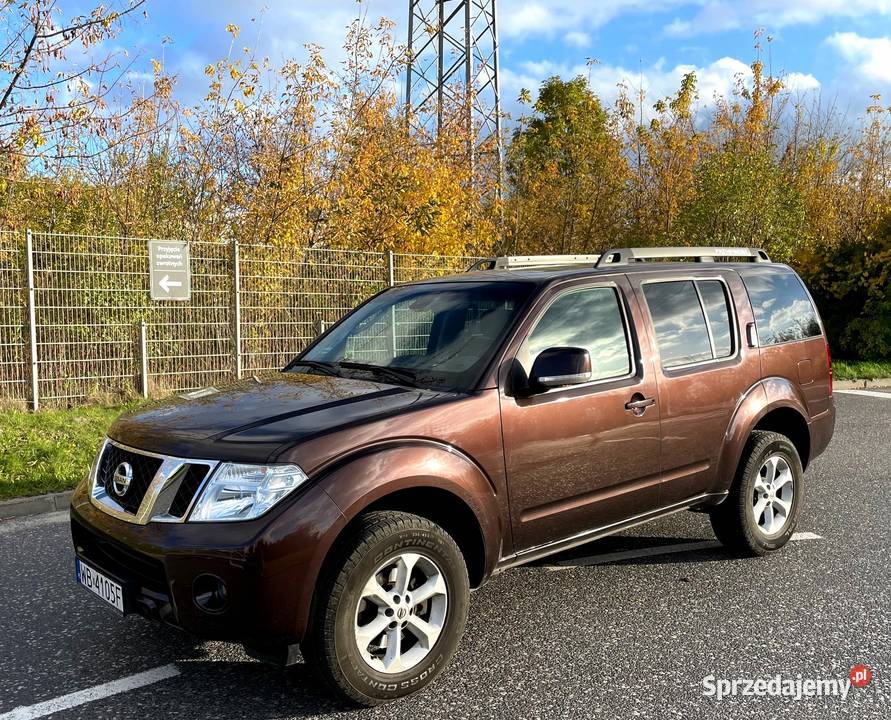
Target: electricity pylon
x: 453, y: 60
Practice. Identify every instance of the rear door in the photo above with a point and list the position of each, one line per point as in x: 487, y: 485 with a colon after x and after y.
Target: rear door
x: 576, y: 457
x: 703, y: 368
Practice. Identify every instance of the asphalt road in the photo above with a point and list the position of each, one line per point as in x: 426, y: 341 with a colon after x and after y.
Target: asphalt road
x: 586, y: 634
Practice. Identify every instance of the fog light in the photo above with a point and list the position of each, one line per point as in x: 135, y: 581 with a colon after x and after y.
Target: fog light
x: 210, y: 593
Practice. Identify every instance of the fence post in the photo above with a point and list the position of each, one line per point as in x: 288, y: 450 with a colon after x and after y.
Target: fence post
x: 391, y: 272
x: 143, y: 358
x: 32, y: 321
x: 236, y: 308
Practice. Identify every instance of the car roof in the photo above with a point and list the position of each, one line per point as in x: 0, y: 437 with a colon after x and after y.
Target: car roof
x: 547, y: 275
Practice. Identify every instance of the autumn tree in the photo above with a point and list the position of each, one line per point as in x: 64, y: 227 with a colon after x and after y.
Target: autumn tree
x: 743, y: 192
x: 664, y: 155
x: 566, y: 172
x: 48, y: 104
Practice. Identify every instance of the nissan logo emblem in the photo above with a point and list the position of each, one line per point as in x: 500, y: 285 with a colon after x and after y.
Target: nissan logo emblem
x: 123, y: 476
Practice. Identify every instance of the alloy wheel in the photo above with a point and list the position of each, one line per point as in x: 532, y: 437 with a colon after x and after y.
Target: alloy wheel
x: 772, y: 495
x: 401, y: 613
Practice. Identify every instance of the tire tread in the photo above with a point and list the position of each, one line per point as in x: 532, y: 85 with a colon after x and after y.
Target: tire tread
x: 369, y: 529
x: 729, y: 518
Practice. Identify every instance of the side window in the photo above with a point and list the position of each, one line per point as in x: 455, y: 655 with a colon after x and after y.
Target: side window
x: 717, y: 312
x: 691, y: 319
x: 589, y: 318
x: 783, y: 311
x: 681, y: 332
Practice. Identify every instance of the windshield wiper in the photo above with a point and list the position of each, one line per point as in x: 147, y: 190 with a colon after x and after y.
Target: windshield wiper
x: 324, y: 367
x: 400, y: 375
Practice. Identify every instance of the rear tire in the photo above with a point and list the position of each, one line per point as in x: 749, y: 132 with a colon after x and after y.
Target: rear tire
x: 761, y: 512
x: 390, y: 608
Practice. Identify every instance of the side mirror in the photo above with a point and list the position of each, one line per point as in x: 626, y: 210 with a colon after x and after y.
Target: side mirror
x: 561, y: 366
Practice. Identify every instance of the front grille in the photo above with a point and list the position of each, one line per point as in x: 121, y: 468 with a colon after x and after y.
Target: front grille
x: 188, y: 486
x: 144, y: 469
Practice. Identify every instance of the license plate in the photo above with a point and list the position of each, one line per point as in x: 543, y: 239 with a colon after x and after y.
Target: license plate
x: 99, y: 584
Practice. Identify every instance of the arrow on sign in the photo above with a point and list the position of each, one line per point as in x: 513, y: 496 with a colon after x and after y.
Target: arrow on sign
x: 166, y: 283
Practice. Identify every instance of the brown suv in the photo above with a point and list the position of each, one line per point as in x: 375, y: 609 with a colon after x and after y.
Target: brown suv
x: 449, y: 429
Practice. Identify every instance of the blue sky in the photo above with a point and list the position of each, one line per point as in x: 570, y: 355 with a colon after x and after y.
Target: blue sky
x: 840, y: 49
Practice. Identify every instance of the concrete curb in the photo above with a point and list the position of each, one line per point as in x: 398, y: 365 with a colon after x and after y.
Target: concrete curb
x: 862, y: 384
x: 35, y: 505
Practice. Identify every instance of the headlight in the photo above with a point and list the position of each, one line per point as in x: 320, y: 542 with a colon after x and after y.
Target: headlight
x: 242, y: 492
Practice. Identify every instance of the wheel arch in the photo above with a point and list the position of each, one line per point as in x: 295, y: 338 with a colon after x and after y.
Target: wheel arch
x: 788, y: 421
x: 448, y: 511
x: 773, y: 404
x: 426, y: 479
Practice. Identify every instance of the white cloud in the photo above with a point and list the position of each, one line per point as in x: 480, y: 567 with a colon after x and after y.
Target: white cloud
x: 578, y: 39
x: 718, y: 15
x: 800, y: 82
x: 869, y: 57
x: 679, y: 28
x: 531, y: 18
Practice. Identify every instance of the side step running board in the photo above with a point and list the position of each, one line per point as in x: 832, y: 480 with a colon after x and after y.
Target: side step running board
x: 586, y: 536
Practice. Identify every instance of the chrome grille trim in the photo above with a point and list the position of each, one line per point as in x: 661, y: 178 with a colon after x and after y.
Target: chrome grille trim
x: 161, y: 491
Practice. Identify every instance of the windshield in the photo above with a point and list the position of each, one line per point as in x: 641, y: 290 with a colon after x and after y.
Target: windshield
x: 439, y: 335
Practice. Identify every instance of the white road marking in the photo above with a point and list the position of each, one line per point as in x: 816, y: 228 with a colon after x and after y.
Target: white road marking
x: 806, y: 536
x: 653, y: 552
x: 26, y: 523
x: 66, y: 702
x: 867, y: 393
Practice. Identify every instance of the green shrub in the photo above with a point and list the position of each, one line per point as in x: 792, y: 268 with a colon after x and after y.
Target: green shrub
x: 850, y: 283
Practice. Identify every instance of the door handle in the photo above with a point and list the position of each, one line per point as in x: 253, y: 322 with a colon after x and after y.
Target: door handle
x: 752, y: 335
x: 639, y: 404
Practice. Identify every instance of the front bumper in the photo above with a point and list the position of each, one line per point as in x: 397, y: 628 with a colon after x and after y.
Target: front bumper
x: 269, y: 566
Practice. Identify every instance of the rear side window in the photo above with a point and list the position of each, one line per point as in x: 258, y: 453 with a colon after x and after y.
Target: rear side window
x: 589, y: 318
x: 783, y: 310
x: 717, y: 312
x: 691, y: 320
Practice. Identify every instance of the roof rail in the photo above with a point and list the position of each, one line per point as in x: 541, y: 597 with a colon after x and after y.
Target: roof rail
x: 623, y: 256
x: 482, y: 264
x: 519, y: 262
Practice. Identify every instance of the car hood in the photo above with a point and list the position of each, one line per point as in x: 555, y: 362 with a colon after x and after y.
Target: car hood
x: 252, y: 419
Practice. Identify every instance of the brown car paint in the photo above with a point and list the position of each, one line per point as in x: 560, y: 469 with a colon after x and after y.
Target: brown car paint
x: 575, y: 456
x: 522, y: 476
x: 697, y: 402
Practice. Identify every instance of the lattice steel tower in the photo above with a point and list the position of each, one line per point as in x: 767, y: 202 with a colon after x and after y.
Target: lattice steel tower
x: 453, y: 46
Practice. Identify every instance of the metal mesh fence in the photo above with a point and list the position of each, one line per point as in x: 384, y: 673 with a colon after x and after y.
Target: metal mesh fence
x: 13, y: 362
x: 91, y: 295
x: 98, y: 336
x: 411, y: 267
x: 289, y: 294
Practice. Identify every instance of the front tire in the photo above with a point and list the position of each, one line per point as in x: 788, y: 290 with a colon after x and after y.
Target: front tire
x: 390, y: 609
x: 761, y: 511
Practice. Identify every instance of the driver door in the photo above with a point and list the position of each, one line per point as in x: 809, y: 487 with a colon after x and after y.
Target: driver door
x: 576, y: 457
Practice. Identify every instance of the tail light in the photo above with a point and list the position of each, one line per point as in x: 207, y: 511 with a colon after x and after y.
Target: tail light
x: 829, y: 363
